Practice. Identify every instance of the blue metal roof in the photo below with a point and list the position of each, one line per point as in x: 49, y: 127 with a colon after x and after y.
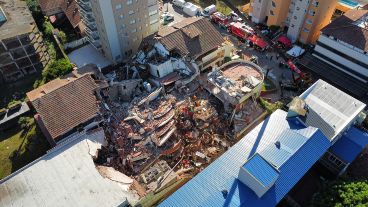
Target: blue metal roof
x: 206, y: 188
x: 260, y: 169
x: 348, y: 147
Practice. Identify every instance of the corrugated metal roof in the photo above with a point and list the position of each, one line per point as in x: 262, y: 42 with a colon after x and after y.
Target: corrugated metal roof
x: 205, y: 188
x: 289, y: 142
x: 350, y: 145
x: 330, y: 109
x: 260, y: 169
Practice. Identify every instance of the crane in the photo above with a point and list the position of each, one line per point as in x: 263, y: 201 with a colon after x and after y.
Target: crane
x: 281, y: 53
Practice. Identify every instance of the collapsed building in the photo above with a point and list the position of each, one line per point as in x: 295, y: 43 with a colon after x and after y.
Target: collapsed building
x: 235, y: 82
x: 178, y: 53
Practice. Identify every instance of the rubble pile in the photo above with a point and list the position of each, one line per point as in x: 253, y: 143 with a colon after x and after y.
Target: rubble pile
x: 154, y: 136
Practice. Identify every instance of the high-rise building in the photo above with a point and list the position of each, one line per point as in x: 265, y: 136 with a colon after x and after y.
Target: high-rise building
x: 117, y: 27
x: 22, y: 50
x: 303, y: 19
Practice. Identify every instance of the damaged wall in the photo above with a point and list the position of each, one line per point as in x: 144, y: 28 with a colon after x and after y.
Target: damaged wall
x: 216, y: 56
x: 125, y: 90
x: 162, y: 69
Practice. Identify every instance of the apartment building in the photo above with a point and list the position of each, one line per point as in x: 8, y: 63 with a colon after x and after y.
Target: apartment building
x: 341, y: 53
x: 302, y: 19
x: 117, y: 27
x: 22, y: 50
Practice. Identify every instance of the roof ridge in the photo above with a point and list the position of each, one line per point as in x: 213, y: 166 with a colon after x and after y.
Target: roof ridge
x: 73, y: 81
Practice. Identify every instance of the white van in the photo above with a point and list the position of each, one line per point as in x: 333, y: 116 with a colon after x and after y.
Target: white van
x: 179, y: 3
x: 209, y: 10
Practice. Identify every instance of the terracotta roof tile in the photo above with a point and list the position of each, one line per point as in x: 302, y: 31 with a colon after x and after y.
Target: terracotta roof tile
x: 193, y: 37
x: 68, y: 106
x: 345, y: 29
x: 71, y: 10
x: 47, y: 5
x: 69, y: 7
x: 46, y: 88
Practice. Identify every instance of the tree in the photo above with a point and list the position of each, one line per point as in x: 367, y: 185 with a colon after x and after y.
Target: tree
x: 57, y: 69
x: 24, y: 122
x: 62, y: 37
x: 48, y: 29
x: 342, y: 193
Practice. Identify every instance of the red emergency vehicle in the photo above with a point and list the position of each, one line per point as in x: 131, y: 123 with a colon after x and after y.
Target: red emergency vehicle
x: 240, y: 30
x: 219, y: 18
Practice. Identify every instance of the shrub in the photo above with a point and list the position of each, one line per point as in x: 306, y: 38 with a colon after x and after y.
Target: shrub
x: 62, y: 37
x: 57, y: 69
x: 48, y: 29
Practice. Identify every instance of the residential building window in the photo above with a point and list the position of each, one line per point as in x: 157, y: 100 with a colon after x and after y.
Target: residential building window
x: 306, y: 30
x: 121, y: 16
x: 273, y: 4
x: 129, y: 2
x: 132, y: 21
x: 295, y: 17
x: 315, y: 3
x: 271, y: 12
x: 309, y: 21
x: 118, y: 6
x: 131, y: 12
x: 134, y: 30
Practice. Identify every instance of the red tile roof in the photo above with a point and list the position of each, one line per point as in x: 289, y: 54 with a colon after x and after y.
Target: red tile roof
x: 345, y: 29
x: 69, y: 7
x: 191, y: 37
x: 68, y: 106
x: 71, y: 10
x: 49, y: 5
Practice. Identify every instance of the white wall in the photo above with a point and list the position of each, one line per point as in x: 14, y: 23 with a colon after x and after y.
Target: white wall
x: 260, y: 10
x: 110, y: 27
x: 164, y: 69
x: 300, y: 10
x: 346, y: 50
x: 153, y: 18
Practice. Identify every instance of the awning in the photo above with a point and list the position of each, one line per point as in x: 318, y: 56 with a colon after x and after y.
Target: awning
x: 285, y: 41
x: 258, y: 41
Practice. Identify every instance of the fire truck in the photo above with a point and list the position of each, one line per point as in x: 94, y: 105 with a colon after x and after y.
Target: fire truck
x: 240, y: 30
x: 220, y: 19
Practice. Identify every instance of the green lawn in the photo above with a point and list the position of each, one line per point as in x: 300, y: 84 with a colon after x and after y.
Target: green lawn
x: 30, y: 146
x: 221, y: 7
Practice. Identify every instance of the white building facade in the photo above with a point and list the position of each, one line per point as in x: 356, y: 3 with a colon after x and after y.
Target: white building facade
x: 122, y: 24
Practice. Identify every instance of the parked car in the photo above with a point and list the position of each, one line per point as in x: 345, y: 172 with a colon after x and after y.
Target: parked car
x: 209, y: 10
x: 179, y: 3
x: 191, y: 9
x: 167, y: 17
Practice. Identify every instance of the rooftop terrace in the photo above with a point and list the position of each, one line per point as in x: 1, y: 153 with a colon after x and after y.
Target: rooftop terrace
x: 237, y: 79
